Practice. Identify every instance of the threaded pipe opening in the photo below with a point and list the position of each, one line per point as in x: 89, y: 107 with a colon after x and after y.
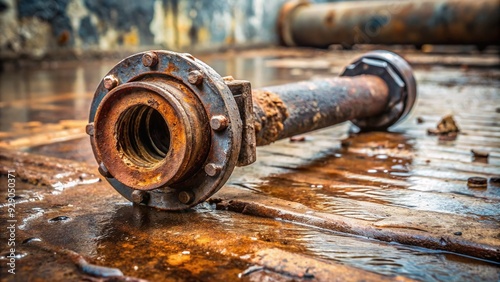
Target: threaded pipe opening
x: 143, y: 136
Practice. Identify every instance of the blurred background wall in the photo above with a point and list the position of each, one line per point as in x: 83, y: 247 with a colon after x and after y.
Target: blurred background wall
x: 75, y: 28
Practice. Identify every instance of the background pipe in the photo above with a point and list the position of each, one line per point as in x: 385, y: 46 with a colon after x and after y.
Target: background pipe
x: 390, y: 22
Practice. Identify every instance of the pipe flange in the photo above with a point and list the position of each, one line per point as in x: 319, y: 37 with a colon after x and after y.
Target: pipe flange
x: 182, y: 95
x: 398, y: 75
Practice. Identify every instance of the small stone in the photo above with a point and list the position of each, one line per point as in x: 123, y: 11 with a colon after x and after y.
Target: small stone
x: 495, y: 181
x: 420, y: 120
x: 458, y: 233
x: 83, y: 176
x: 477, y: 182
x: 59, y: 218
x: 446, y: 126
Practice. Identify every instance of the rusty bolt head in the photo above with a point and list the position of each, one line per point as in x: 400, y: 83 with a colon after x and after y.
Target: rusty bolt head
x: 186, y: 197
x: 103, y: 170
x: 219, y: 123
x: 212, y: 169
x: 195, y: 77
x: 110, y: 82
x: 150, y: 59
x: 90, y: 129
x: 139, y: 197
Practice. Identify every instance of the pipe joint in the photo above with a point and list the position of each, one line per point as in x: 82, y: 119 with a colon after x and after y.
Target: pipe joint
x: 170, y: 130
x: 398, y: 76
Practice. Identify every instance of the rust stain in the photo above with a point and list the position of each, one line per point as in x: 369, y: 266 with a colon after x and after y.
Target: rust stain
x: 330, y: 19
x: 271, y: 113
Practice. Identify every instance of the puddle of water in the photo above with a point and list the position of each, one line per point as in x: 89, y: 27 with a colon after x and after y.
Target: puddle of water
x: 393, y: 259
x: 201, y: 243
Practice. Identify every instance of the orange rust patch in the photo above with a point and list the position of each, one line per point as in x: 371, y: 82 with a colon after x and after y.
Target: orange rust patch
x: 171, y: 68
x: 330, y: 19
x: 269, y: 123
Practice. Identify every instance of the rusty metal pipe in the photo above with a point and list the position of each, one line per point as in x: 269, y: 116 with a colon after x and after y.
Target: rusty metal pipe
x: 390, y: 22
x: 291, y: 109
x: 167, y: 130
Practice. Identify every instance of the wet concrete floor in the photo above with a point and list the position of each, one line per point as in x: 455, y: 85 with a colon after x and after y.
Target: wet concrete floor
x: 335, y: 205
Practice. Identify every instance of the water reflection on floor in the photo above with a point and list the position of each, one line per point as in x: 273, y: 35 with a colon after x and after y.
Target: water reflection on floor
x: 352, y: 175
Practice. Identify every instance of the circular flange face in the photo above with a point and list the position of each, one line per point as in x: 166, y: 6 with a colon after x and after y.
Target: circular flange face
x: 398, y: 75
x: 141, y: 170
x: 215, y: 99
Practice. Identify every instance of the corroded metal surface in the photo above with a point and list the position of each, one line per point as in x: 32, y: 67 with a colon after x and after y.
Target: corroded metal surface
x: 172, y: 127
x: 390, y: 22
x: 332, y: 200
x: 297, y: 108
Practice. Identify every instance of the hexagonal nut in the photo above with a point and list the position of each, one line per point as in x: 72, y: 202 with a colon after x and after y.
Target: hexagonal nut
x: 397, y: 92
